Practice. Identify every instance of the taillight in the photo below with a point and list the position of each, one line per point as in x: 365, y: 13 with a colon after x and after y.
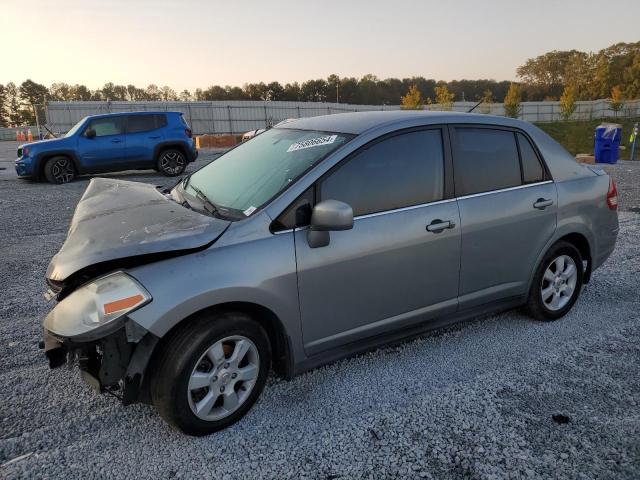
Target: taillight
x: 612, y: 195
x: 187, y: 132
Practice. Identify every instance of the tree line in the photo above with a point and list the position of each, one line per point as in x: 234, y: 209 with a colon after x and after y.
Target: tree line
x: 557, y: 75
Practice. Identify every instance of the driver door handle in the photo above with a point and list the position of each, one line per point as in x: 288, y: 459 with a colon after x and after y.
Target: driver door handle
x: 115, y: 140
x: 543, y: 203
x: 438, y: 225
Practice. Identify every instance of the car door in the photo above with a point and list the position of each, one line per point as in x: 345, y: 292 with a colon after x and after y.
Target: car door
x: 400, y: 262
x: 508, y: 206
x: 106, y: 150
x: 143, y: 134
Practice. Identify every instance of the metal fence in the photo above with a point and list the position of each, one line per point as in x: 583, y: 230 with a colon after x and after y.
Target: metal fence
x: 236, y: 117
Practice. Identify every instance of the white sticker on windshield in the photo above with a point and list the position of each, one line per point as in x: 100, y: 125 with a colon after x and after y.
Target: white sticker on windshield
x: 249, y: 210
x: 314, y: 142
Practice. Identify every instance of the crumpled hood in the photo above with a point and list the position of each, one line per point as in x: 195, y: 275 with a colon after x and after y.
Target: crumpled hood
x: 118, y: 219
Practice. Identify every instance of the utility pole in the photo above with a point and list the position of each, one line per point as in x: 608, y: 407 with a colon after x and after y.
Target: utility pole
x: 337, y: 90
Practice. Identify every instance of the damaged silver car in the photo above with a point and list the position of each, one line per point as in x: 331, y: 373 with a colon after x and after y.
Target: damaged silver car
x: 313, y: 241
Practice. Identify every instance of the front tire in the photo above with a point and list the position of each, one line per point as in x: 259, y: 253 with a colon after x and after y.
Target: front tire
x: 59, y: 170
x: 171, y: 162
x: 209, y: 374
x: 557, y: 283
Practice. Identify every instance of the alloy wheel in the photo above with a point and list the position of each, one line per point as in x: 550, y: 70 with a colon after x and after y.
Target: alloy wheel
x: 223, y: 378
x: 62, y: 170
x: 559, y: 282
x: 172, y: 163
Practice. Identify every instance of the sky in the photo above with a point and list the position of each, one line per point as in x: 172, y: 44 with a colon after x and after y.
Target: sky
x: 198, y: 43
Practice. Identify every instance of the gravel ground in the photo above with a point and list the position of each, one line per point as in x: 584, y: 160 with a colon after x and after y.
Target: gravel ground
x: 474, y: 401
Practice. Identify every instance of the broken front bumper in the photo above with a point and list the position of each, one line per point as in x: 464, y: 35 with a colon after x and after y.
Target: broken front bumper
x: 110, y: 364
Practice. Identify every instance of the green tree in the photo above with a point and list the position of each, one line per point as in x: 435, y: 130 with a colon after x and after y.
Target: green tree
x: 33, y: 93
x: 80, y: 93
x: 12, y: 104
x: 168, y: 94
x: 616, y: 102
x: 291, y: 92
x: 185, y: 96
x: 60, y: 92
x: 444, y: 98
x: 568, y: 102
x: 275, y: 91
x: 512, y: 101
x: 153, y: 93
x: 487, y: 101
x: 412, y: 100
x: 3, y: 99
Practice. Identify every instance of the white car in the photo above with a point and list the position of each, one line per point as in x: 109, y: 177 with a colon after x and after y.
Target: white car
x: 252, y: 133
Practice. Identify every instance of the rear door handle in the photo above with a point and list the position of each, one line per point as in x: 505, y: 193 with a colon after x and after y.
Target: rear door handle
x: 438, y: 225
x: 115, y: 140
x: 542, y: 203
x: 154, y: 137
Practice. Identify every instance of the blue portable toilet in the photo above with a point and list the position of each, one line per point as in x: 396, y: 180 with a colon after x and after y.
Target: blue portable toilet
x: 607, y: 142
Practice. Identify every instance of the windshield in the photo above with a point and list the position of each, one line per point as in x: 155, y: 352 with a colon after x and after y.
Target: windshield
x: 251, y: 174
x: 75, y: 128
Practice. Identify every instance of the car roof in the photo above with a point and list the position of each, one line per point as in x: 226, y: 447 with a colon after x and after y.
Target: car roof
x: 146, y: 112
x: 359, y: 122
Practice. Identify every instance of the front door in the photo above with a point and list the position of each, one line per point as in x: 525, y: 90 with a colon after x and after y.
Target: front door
x: 508, y: 208
x: 106, y: 150
x: 400, y: 262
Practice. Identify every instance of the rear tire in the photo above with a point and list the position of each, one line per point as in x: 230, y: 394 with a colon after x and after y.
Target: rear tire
x: 209, y: 374
x: 557, y: 283
x: 171, y: 162
x: 58, y: 170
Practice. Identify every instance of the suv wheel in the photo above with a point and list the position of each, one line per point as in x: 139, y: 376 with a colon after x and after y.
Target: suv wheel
x: 557, y: 283
x: 171, y: 162
x: 210, y: 373
x: 59, y: 170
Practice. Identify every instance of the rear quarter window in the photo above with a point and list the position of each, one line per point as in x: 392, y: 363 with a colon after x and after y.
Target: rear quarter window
x: 532, y: 170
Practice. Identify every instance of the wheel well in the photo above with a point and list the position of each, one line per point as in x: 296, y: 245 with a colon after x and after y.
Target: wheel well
x: 172, y: 146
x: 582, y: 244
x: 280, y: 354
x: 42, y: 161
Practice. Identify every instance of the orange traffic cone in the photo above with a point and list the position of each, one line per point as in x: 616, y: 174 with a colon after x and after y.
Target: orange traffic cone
x: 21, y: 138
x: 29, y: 136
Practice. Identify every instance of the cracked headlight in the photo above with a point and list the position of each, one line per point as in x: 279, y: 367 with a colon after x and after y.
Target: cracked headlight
x: 93, y: 310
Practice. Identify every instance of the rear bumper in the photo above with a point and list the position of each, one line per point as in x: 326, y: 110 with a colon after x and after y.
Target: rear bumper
x: 606, y: 244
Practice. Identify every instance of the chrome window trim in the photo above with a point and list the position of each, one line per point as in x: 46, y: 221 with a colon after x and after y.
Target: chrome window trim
x: 490, y: 192
x: 403, y: 209
x: 439, y: 202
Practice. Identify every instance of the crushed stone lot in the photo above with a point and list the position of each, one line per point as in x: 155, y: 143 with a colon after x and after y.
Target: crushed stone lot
x: 497, y: 397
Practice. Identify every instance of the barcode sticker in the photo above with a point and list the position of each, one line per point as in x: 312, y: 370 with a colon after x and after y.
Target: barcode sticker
x: 314, y: 142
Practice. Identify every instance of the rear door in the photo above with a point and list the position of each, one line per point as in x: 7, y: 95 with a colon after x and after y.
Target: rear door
x: 144, y: 132
x: 508, y: 206
x: 395, y: 267
x: 105, y: 151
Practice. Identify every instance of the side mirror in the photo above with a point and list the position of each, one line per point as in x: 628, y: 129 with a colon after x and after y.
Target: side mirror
x: 327, y: 216
x: 90, y: 133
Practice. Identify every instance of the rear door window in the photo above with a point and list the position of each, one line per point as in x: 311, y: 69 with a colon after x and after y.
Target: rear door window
x: 484, y: 160
x: 396, y: 172
x: 532, y: 170
x: 141, y: 123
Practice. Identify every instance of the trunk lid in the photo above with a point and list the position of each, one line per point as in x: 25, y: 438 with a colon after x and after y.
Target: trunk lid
x: 118, y: 219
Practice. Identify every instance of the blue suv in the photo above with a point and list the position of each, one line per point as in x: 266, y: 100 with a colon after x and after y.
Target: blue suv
x: 109, y: 143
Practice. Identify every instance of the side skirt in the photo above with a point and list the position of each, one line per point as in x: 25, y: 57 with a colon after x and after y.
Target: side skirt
x: 399, y: 336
